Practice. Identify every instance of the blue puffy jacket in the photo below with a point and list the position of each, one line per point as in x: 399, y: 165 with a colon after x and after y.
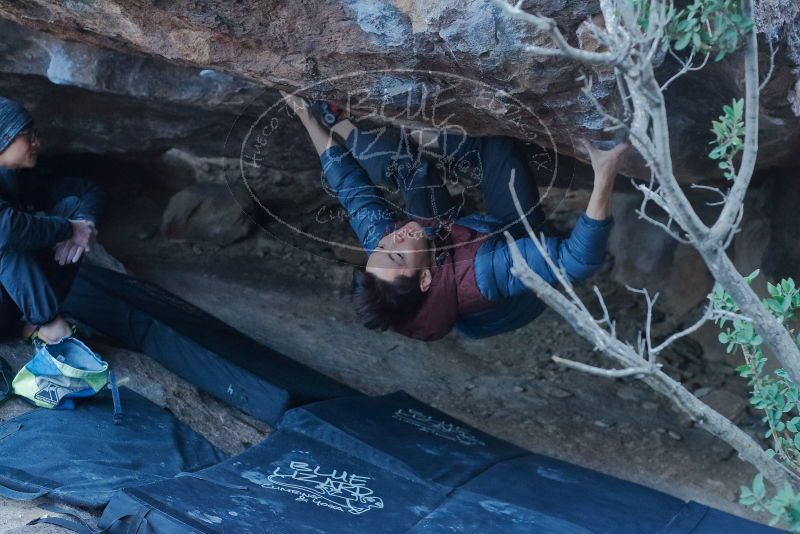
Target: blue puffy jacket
x: 581, y: 254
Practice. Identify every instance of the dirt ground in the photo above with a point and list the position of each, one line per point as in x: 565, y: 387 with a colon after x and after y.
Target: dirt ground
x: 296, y: 302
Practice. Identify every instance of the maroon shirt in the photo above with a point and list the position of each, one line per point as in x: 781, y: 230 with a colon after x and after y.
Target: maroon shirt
x: 453, y: 291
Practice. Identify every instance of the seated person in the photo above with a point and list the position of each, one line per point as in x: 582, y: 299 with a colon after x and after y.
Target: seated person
x: 436, y: 269
x: 46, y: 225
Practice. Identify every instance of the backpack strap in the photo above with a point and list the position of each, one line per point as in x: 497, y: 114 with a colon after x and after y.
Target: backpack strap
x: 8, y: 493
x: 112, y: 384
x: 73, y: 522
x: 6, y: 377
x: 69, y: 524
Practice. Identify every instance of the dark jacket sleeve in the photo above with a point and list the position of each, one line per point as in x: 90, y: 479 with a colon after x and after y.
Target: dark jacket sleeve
x: 369, y: 213
x: 25, y: 231
x: 45, y: 191
x: 580, y: 256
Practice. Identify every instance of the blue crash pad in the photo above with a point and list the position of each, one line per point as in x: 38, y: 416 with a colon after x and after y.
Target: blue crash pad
x: 404, y: 435
x: 535, y: 493
x: 393, y: 464
x: 289, y: 483
x: 195, y: 345
x: 80, y: 457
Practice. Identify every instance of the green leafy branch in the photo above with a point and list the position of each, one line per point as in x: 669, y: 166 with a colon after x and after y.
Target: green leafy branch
x: 774, y: 394
x: 729, y: 137
x: 709, y: 26
x: 784, y: 505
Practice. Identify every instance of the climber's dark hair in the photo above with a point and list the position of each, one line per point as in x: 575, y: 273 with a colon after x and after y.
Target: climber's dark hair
x: 379, y: 304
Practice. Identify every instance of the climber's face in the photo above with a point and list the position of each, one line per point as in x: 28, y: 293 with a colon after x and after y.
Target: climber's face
x: 404, y: 252
x: 22, y: 152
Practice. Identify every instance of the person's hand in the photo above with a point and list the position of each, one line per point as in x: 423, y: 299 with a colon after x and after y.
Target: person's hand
x: 605, y: 163
x: 84, y: 234
x: 92, y: 238
x: 68, y: 252
x: 298, y: 105
x: 61, y: 249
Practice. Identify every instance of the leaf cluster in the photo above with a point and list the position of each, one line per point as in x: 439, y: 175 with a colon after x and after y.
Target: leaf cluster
x: 729, y: 137
x: 775, y: 394
x: 709, y: 27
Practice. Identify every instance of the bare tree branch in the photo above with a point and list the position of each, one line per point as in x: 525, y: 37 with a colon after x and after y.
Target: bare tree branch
x: 563, y: 48
x: 585, y: 325
x: 648, y: 195
x: 710, y: 242
x: 727, y: 219
x: 710, y: 315
x: 616, y: 123
x: 608, y: 373
x: 773, y: 50
x: 612, y: 327
x: 649, y: 302
x: 713, y: 190
x: 686, y: 66
x: 557, y: 270
x: 631, y: 52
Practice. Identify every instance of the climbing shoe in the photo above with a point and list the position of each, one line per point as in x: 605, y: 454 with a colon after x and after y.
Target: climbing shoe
x: 327, y: 114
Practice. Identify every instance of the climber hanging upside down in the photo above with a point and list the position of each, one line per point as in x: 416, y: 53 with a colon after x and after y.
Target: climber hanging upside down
x: 438, y: 270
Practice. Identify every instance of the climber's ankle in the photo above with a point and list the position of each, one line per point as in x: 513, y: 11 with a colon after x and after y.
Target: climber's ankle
x: 343, y: 128
x: 28, y: 329
x: 55, y: 330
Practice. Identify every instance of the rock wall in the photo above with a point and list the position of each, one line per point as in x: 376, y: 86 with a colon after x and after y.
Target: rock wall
x: 325, y: 45
x: 168, y: 82
x: 93, y: 100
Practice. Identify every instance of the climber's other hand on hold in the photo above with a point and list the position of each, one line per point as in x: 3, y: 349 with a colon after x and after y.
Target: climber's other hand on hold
x: 606, y: 163
x: 320, y: 136
x: 298, y: 105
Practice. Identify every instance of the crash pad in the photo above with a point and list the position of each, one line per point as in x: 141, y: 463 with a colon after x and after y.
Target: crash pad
x: 394, y: 464
x: 535, y: 493
x: 196, y: 346
x: 404, y: 435
x: 80, y: 457
x: 290, y: 483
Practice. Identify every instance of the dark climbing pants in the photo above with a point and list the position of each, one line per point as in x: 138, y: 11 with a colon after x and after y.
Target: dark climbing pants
x: 392, y: 162
x: 33, y: 284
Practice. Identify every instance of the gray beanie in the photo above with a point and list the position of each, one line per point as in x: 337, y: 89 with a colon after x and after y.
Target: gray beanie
x: 13, y: 118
